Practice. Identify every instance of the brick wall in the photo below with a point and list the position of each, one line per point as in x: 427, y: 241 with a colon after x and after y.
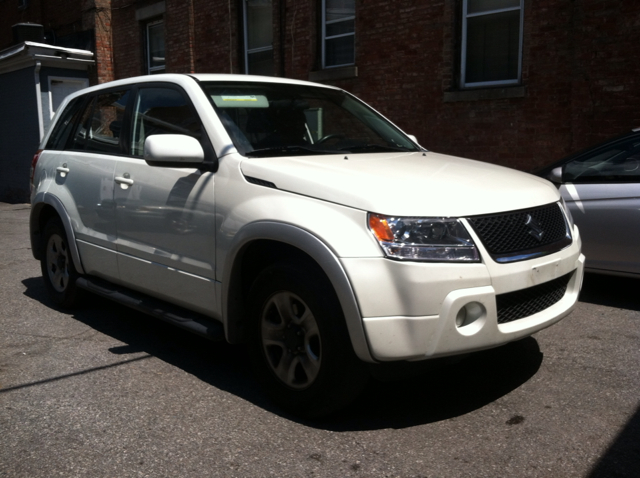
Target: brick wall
x: 582, y: 83
x: 606, y: 77
x: 217, y: 42
x: 580, y: 77
x: 96, y: 16
x: 127, y: 37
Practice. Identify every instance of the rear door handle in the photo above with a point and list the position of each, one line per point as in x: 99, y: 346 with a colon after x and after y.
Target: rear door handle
x: 63, y: 170
x: 125, y: 181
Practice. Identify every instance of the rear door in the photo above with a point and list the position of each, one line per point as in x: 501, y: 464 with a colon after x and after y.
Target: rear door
x: 165, y: 216
x: 90, y: 140
x: 602, y: 190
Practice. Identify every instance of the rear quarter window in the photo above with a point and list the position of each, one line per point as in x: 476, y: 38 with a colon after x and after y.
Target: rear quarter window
x: 63, y: 127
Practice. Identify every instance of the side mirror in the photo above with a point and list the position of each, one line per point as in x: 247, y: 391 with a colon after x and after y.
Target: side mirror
x: 173, y: 150
x: 555, y: 176
x: 413, y: 138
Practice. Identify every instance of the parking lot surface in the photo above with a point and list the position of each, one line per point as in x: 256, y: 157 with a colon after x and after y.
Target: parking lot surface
x: 103, y: 391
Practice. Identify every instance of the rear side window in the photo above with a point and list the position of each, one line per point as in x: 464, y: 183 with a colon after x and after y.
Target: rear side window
x: 159, y: 110
x: 100, y: 126
x: 62, y: 129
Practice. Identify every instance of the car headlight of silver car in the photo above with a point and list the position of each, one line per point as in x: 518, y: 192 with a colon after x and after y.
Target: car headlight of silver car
x: 568, y: 215
x: 434, y: 239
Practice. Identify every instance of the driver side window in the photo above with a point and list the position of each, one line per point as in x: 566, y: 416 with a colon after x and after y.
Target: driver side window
x: 620, y: 163
x: 159, y: 110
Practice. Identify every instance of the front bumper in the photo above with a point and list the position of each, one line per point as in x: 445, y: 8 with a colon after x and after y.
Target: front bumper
x: 420, y: 302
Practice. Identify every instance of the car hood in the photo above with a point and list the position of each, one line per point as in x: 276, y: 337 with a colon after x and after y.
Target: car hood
x: 405, y: 184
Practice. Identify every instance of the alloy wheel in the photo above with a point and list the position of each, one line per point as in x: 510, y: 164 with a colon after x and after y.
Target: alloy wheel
x: 58, y: 263
x: 291, y: 340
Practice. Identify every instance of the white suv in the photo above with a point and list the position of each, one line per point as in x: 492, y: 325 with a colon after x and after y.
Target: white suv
x: 295, y: 218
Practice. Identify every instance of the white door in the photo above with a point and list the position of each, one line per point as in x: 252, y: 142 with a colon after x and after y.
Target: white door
x: 165, y: 216
x: 60, y: 88
x: 84, y: 179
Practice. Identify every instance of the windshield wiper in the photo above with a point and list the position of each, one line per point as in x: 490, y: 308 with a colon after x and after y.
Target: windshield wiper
x: 288, y: 151
x: 375, y: 148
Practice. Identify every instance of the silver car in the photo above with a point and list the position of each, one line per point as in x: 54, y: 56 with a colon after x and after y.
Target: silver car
x: 601, y: 186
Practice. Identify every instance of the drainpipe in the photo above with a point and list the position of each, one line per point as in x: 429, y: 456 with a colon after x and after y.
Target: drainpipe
x: 39, y: 101
x: 283, y: 27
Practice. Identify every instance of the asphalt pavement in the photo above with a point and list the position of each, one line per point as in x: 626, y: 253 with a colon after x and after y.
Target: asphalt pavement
x: 103, y: 391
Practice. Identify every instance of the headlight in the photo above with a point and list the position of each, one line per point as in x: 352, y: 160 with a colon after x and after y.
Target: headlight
x: 567, y: 213
x: 435, y: 239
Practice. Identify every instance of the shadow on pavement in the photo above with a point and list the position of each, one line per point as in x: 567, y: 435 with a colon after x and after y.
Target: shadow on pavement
x: 450, y: 391
x: 611, y: 291
x: 444, y: 393
x: 622, y: 459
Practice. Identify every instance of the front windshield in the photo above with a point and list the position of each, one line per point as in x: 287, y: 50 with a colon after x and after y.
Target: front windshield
x: 272, y: 119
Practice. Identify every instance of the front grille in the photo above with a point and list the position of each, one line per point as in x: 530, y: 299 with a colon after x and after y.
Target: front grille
x: 526, y: 302
x: 518, y: 232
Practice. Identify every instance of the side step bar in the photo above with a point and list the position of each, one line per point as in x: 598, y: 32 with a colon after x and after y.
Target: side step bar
x: 191, y: 321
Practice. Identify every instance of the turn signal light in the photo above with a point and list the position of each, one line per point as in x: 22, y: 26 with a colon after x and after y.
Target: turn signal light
x: 380, y: 228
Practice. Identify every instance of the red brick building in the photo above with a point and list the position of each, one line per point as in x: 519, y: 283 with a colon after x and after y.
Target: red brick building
x: 515, y: 82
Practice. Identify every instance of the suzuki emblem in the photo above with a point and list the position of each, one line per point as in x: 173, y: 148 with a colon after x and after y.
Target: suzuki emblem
x: 534, y: 227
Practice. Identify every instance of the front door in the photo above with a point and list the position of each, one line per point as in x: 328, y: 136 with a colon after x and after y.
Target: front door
x: 165, y: 216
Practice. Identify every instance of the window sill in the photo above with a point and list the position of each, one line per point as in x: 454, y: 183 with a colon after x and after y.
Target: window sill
x: 485, y: 94
x: 329, y: 74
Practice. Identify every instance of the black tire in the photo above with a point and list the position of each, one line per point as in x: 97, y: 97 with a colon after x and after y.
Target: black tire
x: 300, y: 347
x: 58, y: 271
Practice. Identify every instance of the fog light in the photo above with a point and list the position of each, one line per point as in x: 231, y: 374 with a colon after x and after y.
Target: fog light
x: 469, y: 314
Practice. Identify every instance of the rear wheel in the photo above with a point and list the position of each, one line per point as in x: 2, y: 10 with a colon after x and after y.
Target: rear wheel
x: 57, y: 266
x: 300, y: 345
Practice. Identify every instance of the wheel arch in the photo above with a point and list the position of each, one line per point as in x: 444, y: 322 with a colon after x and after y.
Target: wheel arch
x: 44, y: 207
x: 262, y: 243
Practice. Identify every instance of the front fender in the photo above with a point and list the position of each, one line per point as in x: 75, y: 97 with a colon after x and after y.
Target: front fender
x: 318, y: 251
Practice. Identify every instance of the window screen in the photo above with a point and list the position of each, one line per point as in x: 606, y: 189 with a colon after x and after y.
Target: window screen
x: 258, y: 28
x: 339, y: 32
x: 492, y: 37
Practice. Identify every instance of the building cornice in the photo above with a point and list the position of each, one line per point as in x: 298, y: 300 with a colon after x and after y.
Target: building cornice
x: 27, y: 54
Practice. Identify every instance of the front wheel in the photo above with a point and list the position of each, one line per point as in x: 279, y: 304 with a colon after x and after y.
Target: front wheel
x: 300, y: 345
x: 58, y: 271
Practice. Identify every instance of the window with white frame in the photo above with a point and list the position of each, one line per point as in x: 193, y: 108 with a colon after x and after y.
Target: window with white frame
x: 491, y: 42
x: 338, y: 33
x: 155, y: 47
x: 258, y: 37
